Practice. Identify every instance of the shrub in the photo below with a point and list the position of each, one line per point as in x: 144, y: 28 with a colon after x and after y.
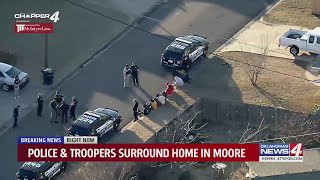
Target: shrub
x: 8, y: 57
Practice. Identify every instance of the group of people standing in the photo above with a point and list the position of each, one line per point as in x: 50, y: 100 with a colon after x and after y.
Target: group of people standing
x: 130, y: 75
x: 59, y: 107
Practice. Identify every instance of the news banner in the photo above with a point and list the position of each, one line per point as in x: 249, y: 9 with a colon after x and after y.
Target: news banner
x: 79, y: 148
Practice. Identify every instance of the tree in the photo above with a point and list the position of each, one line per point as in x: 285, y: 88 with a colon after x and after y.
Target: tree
x: 300, y: 129
x: 184, y: 130
x: 250, y: 132
x: 295, y: 128
x: 254, y: 67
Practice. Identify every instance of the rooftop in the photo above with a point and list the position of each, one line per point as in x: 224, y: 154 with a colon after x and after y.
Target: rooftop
x: 311, y: 163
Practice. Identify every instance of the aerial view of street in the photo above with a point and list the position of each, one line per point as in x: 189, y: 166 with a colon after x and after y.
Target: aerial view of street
x: 245, y: 71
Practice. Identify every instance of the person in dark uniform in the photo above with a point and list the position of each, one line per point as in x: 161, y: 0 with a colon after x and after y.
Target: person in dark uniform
x: 58, y: 98
x: 40, y: 105
x: 73, y: 105
x: 185, y: 66
x: 54, y: 111
x: 134, y: 73
x: 15, y: 116
x: 64, y: 107
x: 136, y: 110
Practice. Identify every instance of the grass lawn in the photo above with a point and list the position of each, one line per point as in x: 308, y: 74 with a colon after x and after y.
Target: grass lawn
x: 293, y: 12
x: 275, y: 89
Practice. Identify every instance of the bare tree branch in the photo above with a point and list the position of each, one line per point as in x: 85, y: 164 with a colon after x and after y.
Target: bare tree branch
x: 247, y: 130
x: 186, y: 130
x: 254, y: 67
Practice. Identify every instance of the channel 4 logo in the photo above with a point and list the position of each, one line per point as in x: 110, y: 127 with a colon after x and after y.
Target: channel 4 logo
x: 281, y: 149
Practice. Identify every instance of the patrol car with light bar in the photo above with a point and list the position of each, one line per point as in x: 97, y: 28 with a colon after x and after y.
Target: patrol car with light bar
x: 40, y: 170
x: 184, y: 48
x: 95, y: 123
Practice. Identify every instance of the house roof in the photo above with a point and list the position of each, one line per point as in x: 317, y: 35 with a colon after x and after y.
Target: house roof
x: 311, y: 163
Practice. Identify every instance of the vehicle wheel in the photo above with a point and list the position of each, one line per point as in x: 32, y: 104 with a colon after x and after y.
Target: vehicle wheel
x: 205, y: 51
x: 116, y: 126
x: 294, y: 50
x: 5, y: 87
x: 63, y: 167
x: 189, y: 64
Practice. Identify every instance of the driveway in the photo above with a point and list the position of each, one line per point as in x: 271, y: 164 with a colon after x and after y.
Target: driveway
x: 100, y: 82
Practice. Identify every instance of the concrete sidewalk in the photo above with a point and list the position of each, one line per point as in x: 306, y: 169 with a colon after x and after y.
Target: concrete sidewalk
x: 77, y: 37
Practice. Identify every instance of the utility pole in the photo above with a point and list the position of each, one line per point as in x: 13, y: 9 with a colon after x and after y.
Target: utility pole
x: 46, y: 41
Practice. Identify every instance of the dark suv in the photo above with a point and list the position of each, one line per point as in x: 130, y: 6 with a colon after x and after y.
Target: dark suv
x: 40, y: 170
x: 95, y: 123
x: 184, y: 48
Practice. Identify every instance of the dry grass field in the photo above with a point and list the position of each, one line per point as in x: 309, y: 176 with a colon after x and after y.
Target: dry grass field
x: 293, y: 12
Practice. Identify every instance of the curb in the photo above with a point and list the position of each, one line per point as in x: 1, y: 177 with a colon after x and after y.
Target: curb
x: 255, y: 19
x: 262, y: 18
x: 7, y: 124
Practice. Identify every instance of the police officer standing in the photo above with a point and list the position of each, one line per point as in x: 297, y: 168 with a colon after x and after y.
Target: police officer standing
x: 58, y: 98
x: 54, y: 111
x: 15, y: 116
x: 64, y: 107
x: 134, y: 73
x: 136, y: 110
x: 185, y: 66
x: 73, y: 105
x: 40, y: 105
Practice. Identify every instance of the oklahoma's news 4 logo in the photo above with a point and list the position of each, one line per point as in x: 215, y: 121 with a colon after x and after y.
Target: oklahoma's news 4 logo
x: 281, y: 149
x: 24, y: 25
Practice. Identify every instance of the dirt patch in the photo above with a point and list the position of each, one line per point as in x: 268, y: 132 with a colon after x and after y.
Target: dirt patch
x: 293, y: 12
x: 293, y: 92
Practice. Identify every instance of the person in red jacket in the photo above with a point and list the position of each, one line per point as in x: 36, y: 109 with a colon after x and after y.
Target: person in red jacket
x: 170, y: 89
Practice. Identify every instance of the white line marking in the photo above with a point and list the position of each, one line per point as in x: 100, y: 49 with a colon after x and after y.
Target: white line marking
x: 151, y: 18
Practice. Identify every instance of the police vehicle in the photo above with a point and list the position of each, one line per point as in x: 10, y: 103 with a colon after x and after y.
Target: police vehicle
x: 40, y: 170
x: 96, y: 123
x: 184, y: 48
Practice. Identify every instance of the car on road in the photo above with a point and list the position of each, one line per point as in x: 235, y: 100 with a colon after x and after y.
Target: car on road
x: 184, y: 48
x: 7, y: 75
x: 95, y: 123
x: 40, y: 170
x: 301, y: 40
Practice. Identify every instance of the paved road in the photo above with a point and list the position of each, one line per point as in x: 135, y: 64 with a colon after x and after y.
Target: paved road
x: 100, y: 82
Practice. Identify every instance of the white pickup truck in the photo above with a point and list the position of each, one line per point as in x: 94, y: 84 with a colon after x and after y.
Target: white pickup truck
x: 301, y: 40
